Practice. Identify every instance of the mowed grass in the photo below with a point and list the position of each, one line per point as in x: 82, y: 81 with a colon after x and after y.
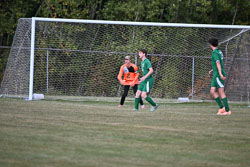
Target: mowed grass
x: 87, y: 133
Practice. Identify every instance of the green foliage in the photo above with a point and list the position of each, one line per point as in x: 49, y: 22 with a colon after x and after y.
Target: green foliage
x: 3, y: 61
x: 182, y: 11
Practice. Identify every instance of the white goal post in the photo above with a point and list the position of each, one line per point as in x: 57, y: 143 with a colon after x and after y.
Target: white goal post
x: 165, y: 43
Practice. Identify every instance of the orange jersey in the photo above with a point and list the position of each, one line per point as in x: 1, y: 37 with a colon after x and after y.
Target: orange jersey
x: 130, y: 74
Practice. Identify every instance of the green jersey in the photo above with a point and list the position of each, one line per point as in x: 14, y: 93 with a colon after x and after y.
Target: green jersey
x: 145, y: 65
x: 217, y: 56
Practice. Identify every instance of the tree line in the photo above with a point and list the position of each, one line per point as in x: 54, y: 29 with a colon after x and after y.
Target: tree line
x: 167, y: 11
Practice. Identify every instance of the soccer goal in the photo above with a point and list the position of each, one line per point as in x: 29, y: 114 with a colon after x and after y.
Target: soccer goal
x: 70, y: 57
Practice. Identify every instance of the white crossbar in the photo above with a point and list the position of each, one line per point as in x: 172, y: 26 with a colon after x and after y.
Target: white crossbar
x: 141, y: 23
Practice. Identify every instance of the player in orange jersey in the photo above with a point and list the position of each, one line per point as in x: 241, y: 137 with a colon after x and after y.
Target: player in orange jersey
x: 128, y: 76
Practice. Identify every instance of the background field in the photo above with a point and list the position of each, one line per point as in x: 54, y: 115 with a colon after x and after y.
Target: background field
x: 97, y: 133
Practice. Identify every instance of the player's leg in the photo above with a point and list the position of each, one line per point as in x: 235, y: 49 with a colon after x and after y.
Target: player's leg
x: 124, y: 95
x: 138, y: 94
x: 147, y: 98
x: 215, y: 95
x: 146, y: 90
x: 223, y: 97
x: 137, y: 99
x: 135, y: 88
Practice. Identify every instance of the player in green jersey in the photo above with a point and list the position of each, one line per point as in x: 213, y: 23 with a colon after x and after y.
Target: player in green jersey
x: 219, y: 76
x: 146, y: 82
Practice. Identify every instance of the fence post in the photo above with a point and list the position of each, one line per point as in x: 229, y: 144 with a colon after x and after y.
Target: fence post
x: 193, y: 79
x: 47, y: 71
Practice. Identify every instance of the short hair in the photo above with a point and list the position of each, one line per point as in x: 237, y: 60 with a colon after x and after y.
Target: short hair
x: 127, y: 57
x: 144, y: 51
x: 213, y: 41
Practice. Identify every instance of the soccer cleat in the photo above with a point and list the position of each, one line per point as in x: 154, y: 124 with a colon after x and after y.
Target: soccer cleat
x: 143, y: 106
x: 135, y: 109
x: 119, y: 105
x: 221, y: 110
x: 225, y: 113
x: 154, y: 108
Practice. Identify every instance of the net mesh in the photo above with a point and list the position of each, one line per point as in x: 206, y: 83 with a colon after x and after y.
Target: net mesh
x: 16, y: 76
x: 83, y: 59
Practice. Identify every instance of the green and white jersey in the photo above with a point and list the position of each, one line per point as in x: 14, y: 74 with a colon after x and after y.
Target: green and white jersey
x: 217, y: 55
x: 145, y: 65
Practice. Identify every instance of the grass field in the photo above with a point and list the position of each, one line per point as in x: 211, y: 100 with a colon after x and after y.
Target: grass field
x: 90, y: 133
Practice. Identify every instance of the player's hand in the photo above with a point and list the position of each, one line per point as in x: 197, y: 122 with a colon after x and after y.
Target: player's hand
x: 122, y: 82
x: 222, y: 77
x: 210, y: 72
x: 142, y: 79
x: 132, y: 84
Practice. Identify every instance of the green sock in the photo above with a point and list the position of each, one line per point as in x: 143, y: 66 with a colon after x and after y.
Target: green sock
x: 137, y: 100
x: 218, y: 101
x: 150, y: 101
x: 225, y: 104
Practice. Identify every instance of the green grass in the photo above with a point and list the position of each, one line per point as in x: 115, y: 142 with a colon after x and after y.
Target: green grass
x: 66, y: 133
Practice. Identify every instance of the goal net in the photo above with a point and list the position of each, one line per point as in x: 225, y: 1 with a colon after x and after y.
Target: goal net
x: 66, y: 57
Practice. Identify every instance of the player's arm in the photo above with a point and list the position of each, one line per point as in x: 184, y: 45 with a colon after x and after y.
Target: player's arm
x: 119, y: 77
x: 136, y: 76
x: 136, y: 73
x: 218, y: 65
x: 219, y: 70
x: 148, y: 74
x: 213, y: 55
